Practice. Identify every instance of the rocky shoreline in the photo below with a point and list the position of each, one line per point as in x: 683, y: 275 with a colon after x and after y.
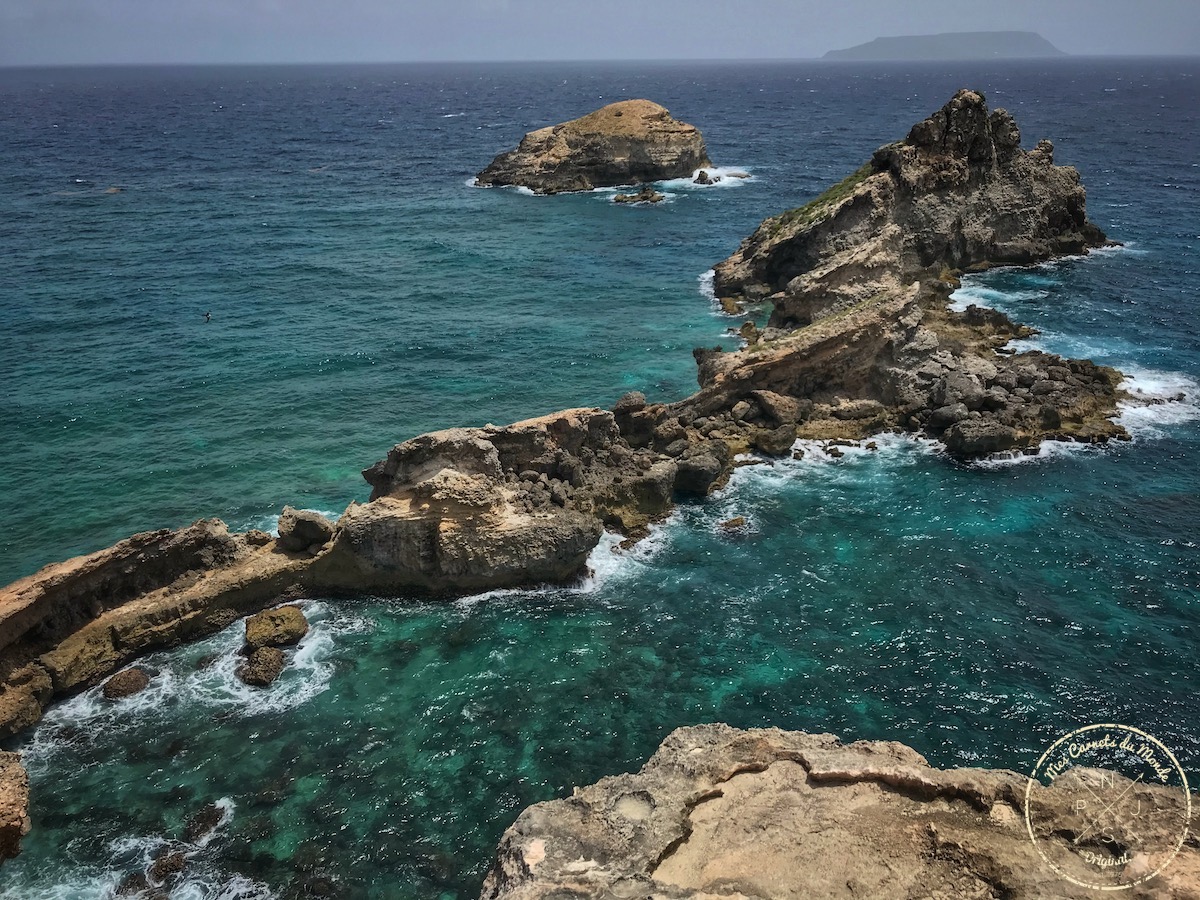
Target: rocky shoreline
x: 861, y: 340
x: 764, y: 813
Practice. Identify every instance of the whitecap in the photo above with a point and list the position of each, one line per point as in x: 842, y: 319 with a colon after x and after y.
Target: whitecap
x: 1157, y: 399
x: 722, y: 177
x: 177, y: 683
x: 972, y: 293
x: 1046, y: 450
x: 270, y: 522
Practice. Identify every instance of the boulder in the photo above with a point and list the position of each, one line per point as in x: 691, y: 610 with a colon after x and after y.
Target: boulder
x: 629, y: 142
x: 201, y: 825
x: 280, y: 627
x: 979, y: 437
x: 126, y: 683
x: 780, y: 409
x: 167, y: 864
x: 261, y: 667
x: 774, y: 441
x: 300, y: 529
x: 702, y: 467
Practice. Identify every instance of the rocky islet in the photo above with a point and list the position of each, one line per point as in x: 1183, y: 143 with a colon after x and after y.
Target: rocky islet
x: 629, y: 142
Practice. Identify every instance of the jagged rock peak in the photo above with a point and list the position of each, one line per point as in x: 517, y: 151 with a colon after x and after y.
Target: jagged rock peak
x: 628, y: 142
x: 964, y: 128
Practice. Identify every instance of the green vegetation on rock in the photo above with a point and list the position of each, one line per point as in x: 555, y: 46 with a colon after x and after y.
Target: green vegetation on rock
x: 820, y: 208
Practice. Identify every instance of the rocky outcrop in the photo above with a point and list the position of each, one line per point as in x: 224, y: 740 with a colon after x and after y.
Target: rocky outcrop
x: 645, y: 195
x: 74, y: 623
x: 14, y: 804
x: 719, y: 812
x: 629, y: 142
x: 859, y: 280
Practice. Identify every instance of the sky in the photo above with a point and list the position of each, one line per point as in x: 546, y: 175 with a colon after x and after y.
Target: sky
x: 74, y: 32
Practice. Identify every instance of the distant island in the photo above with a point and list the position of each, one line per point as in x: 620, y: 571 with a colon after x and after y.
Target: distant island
x: 959, y: 45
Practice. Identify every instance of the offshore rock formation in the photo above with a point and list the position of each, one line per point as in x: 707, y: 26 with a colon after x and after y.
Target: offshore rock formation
x: 861, y: 340
x: 859, y: 279
x: 752, y: 815
x: 629, y: 142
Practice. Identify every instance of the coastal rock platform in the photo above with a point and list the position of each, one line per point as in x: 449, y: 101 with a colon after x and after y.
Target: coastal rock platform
x: 758, y: 814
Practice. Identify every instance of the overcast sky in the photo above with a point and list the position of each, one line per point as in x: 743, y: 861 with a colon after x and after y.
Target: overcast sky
x: 161, y: 31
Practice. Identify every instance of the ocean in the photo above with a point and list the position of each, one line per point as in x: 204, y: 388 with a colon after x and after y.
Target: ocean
x: 361, y: 292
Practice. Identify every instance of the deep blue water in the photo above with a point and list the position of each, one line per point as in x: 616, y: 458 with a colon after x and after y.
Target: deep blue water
x: 361, y: 292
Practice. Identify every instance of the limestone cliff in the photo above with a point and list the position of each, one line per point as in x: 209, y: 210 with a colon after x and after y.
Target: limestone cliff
x: 859, y: 280
x: 14, y: 805
x: 776, y: 815
x: 629, y: 142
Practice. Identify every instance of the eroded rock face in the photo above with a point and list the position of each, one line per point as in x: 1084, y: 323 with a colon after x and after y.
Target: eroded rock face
x: 859, y: 281
x: 474, y: 508
x: 14, y: 804
x: 74, y: 623
x: 772, y: 814
x: 629, y: 142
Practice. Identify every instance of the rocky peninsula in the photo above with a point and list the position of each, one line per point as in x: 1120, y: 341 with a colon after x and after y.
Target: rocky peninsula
x: 630, y: 142
x: 719, y: 812
x: 861, y: 340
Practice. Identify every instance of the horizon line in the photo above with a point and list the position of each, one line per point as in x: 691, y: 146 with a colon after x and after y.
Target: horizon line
x: 1064, y: 57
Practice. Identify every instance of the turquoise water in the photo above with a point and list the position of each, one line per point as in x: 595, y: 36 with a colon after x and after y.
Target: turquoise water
x: 974, y: 612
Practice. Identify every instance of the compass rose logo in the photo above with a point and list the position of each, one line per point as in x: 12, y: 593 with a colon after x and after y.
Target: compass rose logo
x: 1108, y: 807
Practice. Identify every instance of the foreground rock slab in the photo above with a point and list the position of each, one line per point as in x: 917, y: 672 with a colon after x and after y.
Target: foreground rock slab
x: 629, y: 142
x: 776, y: 815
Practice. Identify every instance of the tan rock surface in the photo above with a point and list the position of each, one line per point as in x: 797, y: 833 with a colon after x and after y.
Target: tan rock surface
x: 14, y: 804
x: 774, y: 815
